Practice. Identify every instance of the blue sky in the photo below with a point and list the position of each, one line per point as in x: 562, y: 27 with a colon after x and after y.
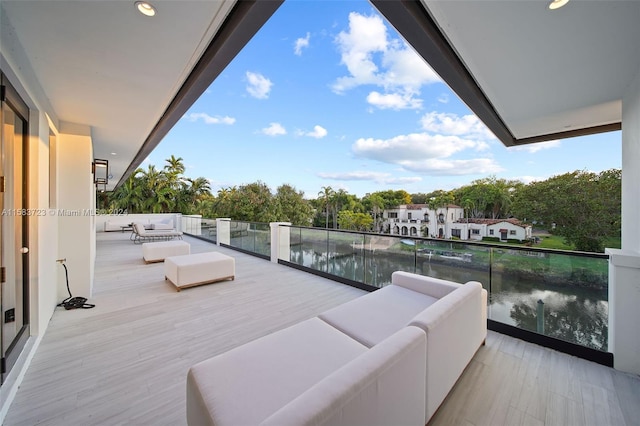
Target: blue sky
x: 328, y: 94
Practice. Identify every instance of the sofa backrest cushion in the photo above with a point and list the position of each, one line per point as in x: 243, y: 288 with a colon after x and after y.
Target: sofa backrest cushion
x: 434, y: 287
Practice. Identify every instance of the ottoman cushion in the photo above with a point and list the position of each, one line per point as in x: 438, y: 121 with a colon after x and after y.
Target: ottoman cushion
x: 201, y: 268
x: 158, y: 251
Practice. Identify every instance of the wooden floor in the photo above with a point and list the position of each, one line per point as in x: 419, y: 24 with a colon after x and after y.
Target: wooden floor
x: 125, y: 361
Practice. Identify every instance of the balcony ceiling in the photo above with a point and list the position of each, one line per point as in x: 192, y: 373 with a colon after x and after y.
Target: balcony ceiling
x: 544, y: 74
x: 105, y: 65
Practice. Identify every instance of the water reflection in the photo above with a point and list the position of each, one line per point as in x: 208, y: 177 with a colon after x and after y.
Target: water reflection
x: 573, y: 311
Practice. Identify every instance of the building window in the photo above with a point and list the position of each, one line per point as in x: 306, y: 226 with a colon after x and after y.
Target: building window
x: 393, y: 215
x: 426, y: 217
x: 512, y: 232
x: 409, y: 215
x: 455, y: 233
x: 476, y: 231
x: 441, y: 218
x: 490, y: 231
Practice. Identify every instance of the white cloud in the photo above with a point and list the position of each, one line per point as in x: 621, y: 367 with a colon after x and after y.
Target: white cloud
x: 427, y: 154
x: 300, y: 44
x: 443, y: 98
x: 274, y: 129
x: 412, y: 146
x: 535, y: 147
x: 373, y: 58
x: 394, y: 100
x: 355, y: 175
x: 258, y: 85
x: 451, y: 124
x: 447, y: 167
x: 208, y: 119
x: 378, y: 177
x: 318, y: 132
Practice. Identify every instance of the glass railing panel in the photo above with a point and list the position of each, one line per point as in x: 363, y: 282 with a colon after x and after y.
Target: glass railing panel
x: 454, y: 261
x: 346, y: 255
x: 262, y: 238
x: 208, y: 229
x: 384, y: 255
x: 560, y: 295
x: 309, y: 248
x: 239, y: 234
x: 250, y: 236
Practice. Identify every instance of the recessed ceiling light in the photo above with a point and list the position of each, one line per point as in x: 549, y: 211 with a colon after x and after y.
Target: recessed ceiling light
x: 145, y: 8
x: 557, y: 4
x: 113, y: 153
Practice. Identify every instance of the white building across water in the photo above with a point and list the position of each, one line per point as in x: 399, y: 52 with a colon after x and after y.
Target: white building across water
x: 418, y: 220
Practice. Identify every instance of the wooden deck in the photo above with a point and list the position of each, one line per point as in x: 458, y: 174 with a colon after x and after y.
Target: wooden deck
x: 125, y: 361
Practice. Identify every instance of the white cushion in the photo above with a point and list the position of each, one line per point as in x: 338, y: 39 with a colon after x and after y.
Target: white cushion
x: 384, y: 386
x: 158, y: 251
x: 374, y: 317
x: 249, y: 383
x: 199, y: 268
x: 433, y: 287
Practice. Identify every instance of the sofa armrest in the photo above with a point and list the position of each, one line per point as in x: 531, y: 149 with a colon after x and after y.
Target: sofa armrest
x: 433, y: 287
x: 383, y: 386
x: 456, y: 326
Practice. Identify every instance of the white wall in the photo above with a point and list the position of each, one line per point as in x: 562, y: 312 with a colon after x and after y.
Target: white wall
x: 43, y: 230
x: 624, y: 264
x: 124, y: 218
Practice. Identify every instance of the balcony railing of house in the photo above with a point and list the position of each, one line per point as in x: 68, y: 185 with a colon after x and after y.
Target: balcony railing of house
x: 554, y: 298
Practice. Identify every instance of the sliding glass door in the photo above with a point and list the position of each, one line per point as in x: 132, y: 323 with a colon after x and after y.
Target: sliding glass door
x: 14, y: 252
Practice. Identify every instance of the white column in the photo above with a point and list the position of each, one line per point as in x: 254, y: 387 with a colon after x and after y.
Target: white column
x: 223, y: 231
x: 76, y: 197
x: 280, y: 241
x: 624, y: 264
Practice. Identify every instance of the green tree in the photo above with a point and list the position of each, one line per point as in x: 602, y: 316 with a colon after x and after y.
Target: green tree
x: 292, y: 207
x: 325, y: 198
x: 583, y: 207
x: 252, y: 202
x: 354, y: 221
x: 128, y: 196
x: 491, y: 197
x: 374, y: 203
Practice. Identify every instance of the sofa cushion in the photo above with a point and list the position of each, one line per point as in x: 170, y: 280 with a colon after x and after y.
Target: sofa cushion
x: 374, y: 317
x: 384, y: 386
x: 249, y: 383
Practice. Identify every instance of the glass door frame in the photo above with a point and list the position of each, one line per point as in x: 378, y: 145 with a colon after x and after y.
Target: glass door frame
x: 10, y: 98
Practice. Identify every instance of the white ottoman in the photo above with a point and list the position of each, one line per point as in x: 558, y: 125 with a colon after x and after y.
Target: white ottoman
x: 196, y: 269
x: 158, y: 251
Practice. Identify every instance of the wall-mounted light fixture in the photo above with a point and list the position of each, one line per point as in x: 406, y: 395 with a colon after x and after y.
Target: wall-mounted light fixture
x: 100, y: 170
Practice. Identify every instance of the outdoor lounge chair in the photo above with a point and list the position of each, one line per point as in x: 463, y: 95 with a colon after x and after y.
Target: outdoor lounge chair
x: 141, y: 235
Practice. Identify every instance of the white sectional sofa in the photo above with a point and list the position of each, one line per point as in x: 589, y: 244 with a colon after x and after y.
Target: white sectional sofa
x: 389, y: 357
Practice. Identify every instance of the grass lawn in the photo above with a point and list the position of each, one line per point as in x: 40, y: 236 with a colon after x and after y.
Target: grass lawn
x: 554, y: 242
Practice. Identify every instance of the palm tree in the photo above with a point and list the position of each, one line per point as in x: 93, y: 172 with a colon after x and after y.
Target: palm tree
x: 174, y: 165
x: 326, y: 194
x: 128, y: 196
